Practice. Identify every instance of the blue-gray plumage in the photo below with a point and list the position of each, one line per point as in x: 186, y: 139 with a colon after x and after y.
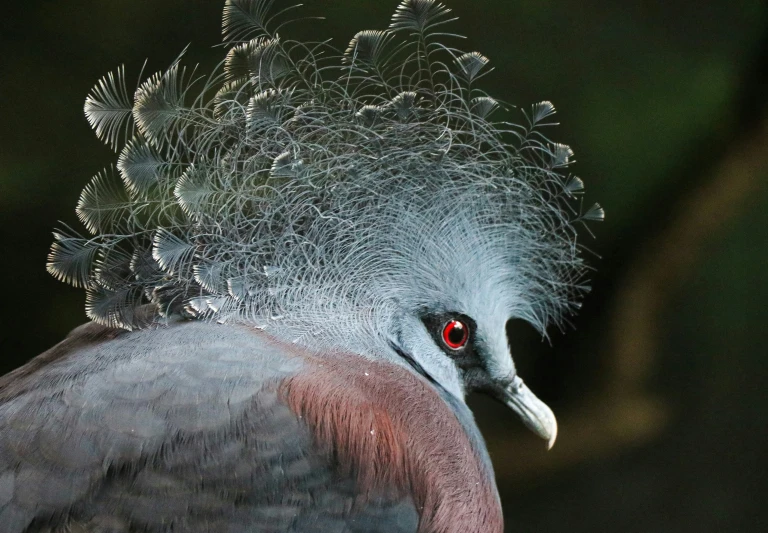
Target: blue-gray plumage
x: 179, y: 426
x: 296, y: 272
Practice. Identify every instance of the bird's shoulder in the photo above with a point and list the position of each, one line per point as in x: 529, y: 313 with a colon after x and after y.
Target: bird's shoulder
x: 183, y: 425
x: 121, y: 367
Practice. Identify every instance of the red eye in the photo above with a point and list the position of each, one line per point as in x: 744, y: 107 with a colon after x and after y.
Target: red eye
x: 455, y: 334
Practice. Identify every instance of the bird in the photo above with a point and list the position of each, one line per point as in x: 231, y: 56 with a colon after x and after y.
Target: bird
x: 298, y: 268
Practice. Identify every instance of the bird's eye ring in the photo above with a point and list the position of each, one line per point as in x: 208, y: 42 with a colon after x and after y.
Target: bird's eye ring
x: 455, y: 334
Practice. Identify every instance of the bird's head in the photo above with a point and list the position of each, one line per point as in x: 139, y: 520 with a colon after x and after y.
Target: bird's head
x: 374, y: 201
x: 464, y: 287
x: 464, y: 354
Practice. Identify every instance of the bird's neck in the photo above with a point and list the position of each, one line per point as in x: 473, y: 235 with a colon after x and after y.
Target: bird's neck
x: 390, y: 428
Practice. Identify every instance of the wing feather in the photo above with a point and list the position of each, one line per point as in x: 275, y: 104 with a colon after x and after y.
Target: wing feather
x: 175, y: 427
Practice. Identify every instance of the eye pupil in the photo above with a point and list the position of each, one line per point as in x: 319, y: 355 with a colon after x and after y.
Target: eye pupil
x: 455, y: 334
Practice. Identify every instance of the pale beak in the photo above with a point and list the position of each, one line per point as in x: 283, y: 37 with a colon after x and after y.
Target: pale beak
x: 536, y: 415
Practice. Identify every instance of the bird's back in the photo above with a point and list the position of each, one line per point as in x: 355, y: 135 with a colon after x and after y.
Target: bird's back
x: 204, y: 427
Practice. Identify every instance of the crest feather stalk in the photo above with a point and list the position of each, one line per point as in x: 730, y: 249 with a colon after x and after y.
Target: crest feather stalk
x: 318, y: 193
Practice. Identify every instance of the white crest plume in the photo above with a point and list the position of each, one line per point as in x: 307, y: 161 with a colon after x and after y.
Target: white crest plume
x: 316, y: 192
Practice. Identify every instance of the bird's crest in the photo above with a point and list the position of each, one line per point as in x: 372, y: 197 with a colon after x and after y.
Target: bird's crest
x: 312, y: 191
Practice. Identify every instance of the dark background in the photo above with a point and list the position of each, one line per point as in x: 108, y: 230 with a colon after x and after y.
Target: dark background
x: 661, y: 386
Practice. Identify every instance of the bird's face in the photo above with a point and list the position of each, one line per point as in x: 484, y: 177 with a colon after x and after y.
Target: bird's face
x: 463, y: 347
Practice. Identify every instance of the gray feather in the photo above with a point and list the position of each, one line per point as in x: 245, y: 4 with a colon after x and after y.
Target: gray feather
x: 109, y: 433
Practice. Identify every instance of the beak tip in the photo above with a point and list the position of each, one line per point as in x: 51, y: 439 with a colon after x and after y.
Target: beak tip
x: 551, y: 441
x: 553, y: 434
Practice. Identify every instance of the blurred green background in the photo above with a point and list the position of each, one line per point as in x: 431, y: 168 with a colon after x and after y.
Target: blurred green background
x: 660, y: 386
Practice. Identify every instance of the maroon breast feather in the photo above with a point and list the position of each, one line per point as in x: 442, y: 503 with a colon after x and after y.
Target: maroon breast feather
x: 391, y: 430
